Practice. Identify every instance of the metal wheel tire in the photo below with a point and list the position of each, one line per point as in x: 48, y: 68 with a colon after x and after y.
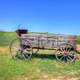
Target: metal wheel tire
x: 24, y: 51
x: 65, y: 53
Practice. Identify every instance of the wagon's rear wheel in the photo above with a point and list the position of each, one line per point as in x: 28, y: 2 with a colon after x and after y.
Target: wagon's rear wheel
x: 17, y: 49
x: 66, y: 53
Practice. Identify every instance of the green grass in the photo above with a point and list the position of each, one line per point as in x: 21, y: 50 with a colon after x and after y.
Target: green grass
x: 78, y: 39
x: 36, y: 68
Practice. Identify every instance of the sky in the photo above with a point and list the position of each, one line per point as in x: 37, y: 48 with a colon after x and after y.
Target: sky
x: 53, y: 16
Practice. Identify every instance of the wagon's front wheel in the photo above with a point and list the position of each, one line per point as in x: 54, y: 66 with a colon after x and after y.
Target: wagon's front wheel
x: 19, y: 50
x: 66, y: 53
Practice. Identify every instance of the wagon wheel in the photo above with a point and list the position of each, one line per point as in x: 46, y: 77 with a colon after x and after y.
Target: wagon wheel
x: 17, y: 49
x: 66, y: 53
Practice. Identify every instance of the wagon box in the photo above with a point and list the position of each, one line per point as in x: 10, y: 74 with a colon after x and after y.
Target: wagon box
x: 48, y: 41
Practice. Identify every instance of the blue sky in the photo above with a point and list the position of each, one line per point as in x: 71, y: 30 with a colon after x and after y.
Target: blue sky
x: 54, y: 16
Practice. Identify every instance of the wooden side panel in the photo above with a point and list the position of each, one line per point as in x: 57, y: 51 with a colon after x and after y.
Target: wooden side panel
x: 49, y: 42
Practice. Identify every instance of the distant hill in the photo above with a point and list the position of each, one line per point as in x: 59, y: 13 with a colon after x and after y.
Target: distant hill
x: 6, y: 37
x: 45, y: 33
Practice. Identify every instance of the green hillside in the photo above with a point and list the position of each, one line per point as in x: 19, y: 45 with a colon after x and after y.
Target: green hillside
x: 6, y: 38
x: 78, y: 39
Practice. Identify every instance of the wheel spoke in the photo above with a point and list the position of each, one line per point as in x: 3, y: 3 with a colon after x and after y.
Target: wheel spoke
x: 61, y: 58
x: 62, y: 49
x: 67, y: 59
x: 60, y: 54
x: 72, y: 53
x: 70, y: 57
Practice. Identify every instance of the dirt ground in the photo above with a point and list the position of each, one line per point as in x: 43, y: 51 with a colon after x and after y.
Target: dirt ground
x: 46, y: 77
x: 78, y: 47
x: 4, y: 49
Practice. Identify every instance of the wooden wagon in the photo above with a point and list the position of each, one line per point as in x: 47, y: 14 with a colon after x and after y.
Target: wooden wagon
x: 28, y: 44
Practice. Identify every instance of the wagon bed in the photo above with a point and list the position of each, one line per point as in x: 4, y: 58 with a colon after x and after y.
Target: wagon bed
x: 46, y: 41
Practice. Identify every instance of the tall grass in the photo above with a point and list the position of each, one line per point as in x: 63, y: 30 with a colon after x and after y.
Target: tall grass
x: 36, y: 69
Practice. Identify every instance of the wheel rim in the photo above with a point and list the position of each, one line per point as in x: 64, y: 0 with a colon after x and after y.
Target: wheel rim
x: 65, y: 54
x: 14, y: 47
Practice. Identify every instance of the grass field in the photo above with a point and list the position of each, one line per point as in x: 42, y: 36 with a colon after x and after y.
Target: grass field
x: 38, y: 68
x: 42, y: 66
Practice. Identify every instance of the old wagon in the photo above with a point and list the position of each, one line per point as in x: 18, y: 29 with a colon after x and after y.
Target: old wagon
x: 28, y: 44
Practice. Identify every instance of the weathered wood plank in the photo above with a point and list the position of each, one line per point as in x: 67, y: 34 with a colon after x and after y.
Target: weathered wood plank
x: 46, y: 41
